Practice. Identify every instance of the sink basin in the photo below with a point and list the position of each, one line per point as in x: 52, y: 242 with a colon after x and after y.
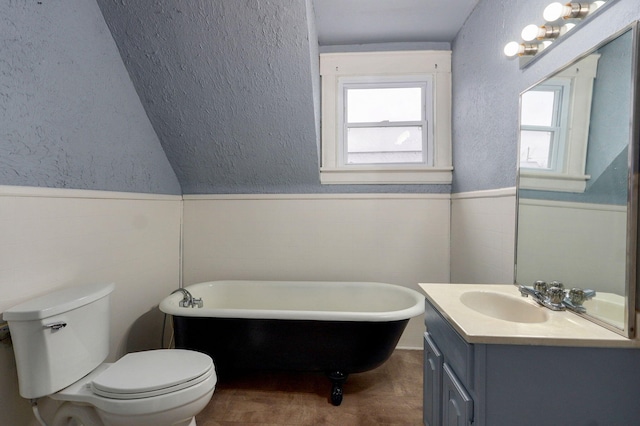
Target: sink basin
x: 503, y: 307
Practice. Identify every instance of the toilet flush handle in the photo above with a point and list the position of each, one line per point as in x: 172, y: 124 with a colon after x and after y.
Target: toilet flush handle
x: 55, y: 326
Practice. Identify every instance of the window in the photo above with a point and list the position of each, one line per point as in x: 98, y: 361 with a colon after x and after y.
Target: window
x: 378, y: 120
x: 543, y: 121
x: 554, y: 130
x: 385, y: 122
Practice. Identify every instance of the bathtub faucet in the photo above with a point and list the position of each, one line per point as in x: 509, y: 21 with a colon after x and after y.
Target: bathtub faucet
x: 188, y: 301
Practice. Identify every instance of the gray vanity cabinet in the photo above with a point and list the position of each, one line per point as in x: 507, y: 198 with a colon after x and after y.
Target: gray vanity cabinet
x: 446, y: 402
x: 457, y: 405
x: 498, y: 384
x: 432, y: 395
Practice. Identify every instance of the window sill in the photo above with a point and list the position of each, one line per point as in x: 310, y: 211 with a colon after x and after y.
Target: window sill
x: 370, y: 175
x: 553, y: 182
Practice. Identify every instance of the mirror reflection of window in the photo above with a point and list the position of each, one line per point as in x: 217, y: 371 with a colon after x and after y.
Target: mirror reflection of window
x: 543, y: 111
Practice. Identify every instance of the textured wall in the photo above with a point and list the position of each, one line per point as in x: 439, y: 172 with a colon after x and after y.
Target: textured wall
x: 69, y: 115
x: 486, y: 85
x: 314, y: 57
x: 227, y: 86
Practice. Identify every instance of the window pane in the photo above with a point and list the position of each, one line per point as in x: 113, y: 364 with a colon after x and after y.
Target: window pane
x: 383, y: 145
x: 535, y: 149
x: 537, y: 108
x: 389, y: 104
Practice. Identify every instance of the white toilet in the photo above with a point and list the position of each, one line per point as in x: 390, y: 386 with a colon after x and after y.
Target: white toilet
x: 60, y: 342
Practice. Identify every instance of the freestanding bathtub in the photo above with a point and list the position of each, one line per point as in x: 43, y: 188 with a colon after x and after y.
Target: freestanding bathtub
x: 335, y: 327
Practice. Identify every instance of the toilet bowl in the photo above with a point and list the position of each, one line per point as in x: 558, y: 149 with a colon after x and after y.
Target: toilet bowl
x: 61, y: 342
x: 160, y: 387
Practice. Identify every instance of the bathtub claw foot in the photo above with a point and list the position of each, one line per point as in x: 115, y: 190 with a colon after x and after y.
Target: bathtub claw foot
x: 336, y: 395
x: 337, y: 379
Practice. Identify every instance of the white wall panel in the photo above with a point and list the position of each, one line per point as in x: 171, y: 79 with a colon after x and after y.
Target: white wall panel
x: 580, y: 244
x: 483, y: 236
x: 53, y: 238
x: 399, y: 239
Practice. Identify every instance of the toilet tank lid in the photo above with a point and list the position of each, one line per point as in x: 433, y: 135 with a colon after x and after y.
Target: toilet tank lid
x: 57, y: 302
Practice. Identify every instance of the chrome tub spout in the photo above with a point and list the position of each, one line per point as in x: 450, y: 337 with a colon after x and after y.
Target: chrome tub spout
x: 188, y: 301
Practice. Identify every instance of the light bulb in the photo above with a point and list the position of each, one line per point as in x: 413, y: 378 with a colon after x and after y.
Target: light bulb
x: 532, y: 32
x: 545, y: 32
x: 596, y: 4
x: 512, y: 49
x: 555, y: 11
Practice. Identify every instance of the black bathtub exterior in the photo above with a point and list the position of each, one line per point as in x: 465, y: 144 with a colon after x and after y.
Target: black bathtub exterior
x: 337, y: 348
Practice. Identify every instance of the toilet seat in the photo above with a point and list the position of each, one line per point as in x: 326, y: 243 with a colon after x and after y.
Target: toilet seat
x: 194, y: 388
x: 152, y: 373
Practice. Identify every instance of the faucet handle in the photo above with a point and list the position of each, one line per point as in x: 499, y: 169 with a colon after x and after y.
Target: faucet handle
x: 556, y: 284
x: 556, y: 295
x: 540, y: 286
x: 577, y: 296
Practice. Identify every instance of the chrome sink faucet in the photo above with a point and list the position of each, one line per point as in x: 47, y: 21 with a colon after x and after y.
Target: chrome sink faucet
x: 550, y: 297
x: 553, y: 296
x: 576, y: 297
x: 188, y: 301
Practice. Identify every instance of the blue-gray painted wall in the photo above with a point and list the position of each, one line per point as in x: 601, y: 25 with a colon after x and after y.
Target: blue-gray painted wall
x: 609, y: 130
x: 228, y: 86
x: 486, y: 85
x: 69, y: 114
x: 231, y: 92
x: 314, y: 57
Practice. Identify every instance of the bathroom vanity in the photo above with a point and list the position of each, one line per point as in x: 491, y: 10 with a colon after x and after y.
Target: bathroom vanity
x: 494, y: 358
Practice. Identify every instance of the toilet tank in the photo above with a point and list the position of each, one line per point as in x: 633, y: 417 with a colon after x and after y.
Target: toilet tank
x: 59, y: 337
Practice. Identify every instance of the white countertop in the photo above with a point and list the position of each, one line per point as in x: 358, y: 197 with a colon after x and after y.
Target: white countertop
x: 562, y: 328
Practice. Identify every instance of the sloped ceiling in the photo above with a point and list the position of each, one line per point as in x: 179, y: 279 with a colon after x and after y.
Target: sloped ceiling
x: 231, y: 86
x: 228, y: 87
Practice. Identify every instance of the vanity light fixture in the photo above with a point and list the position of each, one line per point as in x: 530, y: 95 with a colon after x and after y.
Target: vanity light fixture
x: 545, y: 32
x: 556, y: 10
x: 513, y: 49
x: 536, y: 38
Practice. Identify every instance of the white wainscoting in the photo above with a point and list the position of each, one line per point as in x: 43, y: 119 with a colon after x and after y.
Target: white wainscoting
x: 57, y: 237
x: 580, y: 244
x: 53, y: 238
x: 483, y: 236
x: 394, y: 238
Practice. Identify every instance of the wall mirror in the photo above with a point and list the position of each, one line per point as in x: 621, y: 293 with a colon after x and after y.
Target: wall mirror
x: 578, y: 180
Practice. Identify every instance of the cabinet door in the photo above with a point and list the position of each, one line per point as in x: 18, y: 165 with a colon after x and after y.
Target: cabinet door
x: 457, y: 405
x: 432, y: 382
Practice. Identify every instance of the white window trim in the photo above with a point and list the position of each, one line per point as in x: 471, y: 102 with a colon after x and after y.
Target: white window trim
x: 337, y: 67
x: 570, y: 175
